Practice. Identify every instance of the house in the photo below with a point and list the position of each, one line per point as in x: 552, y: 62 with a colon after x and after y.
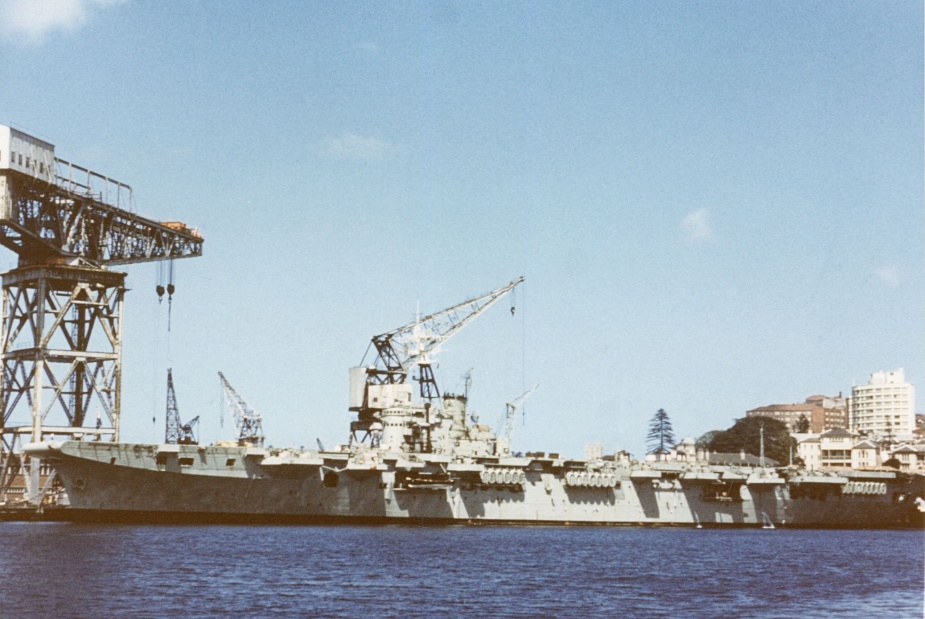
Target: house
x: 835, y: 448
x: 911, y: 457
x: 865, y: 455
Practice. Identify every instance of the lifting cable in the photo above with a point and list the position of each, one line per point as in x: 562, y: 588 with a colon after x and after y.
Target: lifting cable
x: 165, y: 275
x: 170, y: 289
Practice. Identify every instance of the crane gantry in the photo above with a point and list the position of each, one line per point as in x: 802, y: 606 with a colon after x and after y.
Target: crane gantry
x: 384, y: 384
x: 62, y: 306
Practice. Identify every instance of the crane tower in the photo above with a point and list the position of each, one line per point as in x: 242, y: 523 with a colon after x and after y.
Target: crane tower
x: 61, y: 352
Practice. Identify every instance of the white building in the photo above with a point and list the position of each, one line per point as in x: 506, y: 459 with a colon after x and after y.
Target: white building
x: 884, y: 407
x: 809, y: 449
x: 594, y: 451
x: 866, y: 455
x: 835, y: 449
x: 911, y: 457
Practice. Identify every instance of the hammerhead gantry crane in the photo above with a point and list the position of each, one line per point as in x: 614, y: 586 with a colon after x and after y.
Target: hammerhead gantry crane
x: 62, y: 307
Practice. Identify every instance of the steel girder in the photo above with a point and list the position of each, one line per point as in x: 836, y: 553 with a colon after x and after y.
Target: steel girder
x: 45, y: 223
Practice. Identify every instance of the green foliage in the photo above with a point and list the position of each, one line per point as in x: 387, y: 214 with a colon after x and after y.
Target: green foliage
x: 802, y: 424
x: 706, y: 438
x: 892, y: 463
x: 745, y: 435
x: 661, y: 436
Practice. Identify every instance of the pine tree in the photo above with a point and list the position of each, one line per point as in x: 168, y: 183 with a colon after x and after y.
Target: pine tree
x: 661, y: 435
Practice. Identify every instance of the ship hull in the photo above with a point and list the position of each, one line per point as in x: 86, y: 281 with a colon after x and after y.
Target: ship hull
x: 117, y: 482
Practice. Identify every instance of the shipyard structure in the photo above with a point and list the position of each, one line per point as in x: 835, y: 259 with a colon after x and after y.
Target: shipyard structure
x: 413, y: 454
x: 61, y: 347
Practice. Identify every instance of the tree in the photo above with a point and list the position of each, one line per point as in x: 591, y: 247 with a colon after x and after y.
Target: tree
x: 745, y: 435
x: 706, y: 438
x: 661, y: 435
x: 802, y: 424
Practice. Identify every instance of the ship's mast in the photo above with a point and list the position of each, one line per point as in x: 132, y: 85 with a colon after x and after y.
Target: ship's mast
x: 62, y: 306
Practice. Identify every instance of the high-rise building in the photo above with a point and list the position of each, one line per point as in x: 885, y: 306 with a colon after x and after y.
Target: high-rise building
x: 884, y: 407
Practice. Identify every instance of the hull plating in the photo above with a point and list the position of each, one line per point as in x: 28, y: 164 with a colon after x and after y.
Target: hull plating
x: 123, y: 482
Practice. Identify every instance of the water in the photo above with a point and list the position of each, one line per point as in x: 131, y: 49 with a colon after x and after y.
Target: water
x: 82, y: 571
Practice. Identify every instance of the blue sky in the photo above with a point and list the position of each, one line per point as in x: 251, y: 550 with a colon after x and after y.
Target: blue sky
x: 716, y: 206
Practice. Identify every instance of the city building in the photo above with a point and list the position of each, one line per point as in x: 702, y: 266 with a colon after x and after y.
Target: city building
x: 884, y: 407
x: 835, y: 448
x: 594, y: 451
x: 838, y: 449
x: 910, y: 457
x: 809, y: 449
x: 865, y: 455
x: 822, y: 412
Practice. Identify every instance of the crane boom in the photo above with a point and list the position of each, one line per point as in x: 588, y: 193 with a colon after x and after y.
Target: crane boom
x: 176, y: 431
x: 50, y: 221
x: 412, y: 344
x: 172, y: 419
x: 246, y: 419
x: 512, y: 411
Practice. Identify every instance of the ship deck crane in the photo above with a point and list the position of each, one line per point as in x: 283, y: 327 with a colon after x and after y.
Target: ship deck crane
x: 62, y: 305
x: 400, y: 350
x: 177, y: 432
x: 246, y: 419
x: 511, y: 412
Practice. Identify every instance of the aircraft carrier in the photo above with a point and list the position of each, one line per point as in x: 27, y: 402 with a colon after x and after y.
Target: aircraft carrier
x: 415, y: 456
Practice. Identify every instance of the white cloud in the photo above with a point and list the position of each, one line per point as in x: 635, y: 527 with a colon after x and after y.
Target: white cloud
x: 697, y: 226
x: 888, y: 275
x: 355, y: 146
x: 28, y: 21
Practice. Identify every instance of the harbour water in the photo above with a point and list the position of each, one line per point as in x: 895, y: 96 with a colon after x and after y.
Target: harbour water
x: 84, y: 571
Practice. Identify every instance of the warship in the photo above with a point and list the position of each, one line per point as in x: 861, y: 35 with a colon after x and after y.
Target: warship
x: 414, y: 455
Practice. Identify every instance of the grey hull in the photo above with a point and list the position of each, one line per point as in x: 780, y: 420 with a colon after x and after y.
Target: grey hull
x: 152, y: 483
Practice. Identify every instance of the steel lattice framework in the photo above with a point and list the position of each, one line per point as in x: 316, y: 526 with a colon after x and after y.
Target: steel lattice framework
x: 246, y: 419
x: 61, y: 335
x: 51, y: 222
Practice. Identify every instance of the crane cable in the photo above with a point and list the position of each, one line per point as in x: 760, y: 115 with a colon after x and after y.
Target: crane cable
x: 160, y: 289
